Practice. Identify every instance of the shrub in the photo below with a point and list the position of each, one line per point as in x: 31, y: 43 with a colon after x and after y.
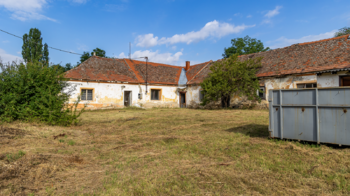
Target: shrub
x: 34, y: 91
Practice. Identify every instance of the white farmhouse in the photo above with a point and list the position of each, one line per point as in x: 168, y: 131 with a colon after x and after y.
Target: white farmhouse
x: 114, y: 83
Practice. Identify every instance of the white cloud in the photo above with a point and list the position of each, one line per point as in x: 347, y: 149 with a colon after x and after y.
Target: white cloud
x: 79, y: 1
x: 167, y: 58
x: 272, y: 13
x: 6, y: 41
x: 174, y: 47
x: 211, y: 29
x: 249, y: 16
x: 283, y: 41
x: 146, y: 40
x: 5, y: 58
x: 25, y: 9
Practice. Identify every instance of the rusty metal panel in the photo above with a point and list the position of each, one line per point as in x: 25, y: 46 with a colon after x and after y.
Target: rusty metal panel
x: 300, y: 123
x: 339, y: 96
x: 276, y: 95
x: 299, y: 97
x: 335, y: 127
x: 277, y: 121
x: 319, y: 115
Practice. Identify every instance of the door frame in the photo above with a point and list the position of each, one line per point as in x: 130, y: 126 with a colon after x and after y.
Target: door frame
x: 182, y: 94
x: 130, y: 98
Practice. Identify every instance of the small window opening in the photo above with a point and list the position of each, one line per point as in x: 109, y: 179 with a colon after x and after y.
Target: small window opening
x: 201, y: 95
x: 345, y: 81
x: 86, y: 95
x: 261, y: 92
x: 155, y: 94
x: 307, y: 85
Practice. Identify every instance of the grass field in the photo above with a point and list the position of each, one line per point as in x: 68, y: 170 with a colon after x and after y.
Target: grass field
x: 166, y: 152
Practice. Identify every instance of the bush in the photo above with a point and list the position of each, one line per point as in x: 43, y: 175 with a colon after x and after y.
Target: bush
x: 36, y: 92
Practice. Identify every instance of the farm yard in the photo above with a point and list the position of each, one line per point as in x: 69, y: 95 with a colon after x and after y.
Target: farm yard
x: 166, y: 152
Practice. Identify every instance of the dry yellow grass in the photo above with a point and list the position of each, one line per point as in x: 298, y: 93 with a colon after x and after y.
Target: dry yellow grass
x: 166, y: 152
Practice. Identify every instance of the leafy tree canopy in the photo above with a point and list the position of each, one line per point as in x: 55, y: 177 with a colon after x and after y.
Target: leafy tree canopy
x: 244, y: 45
x: 86, y: 55
x: 231, y: 76
x: 33, y: 49
x: 342, y: 31
x: 60, y: 69
x: 34, y: 92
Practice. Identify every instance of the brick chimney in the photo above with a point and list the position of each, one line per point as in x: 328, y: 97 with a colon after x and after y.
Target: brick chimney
x: 187, y: 65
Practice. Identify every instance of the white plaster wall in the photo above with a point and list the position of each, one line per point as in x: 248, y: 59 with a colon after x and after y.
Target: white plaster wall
x: 328, y: 80
x: 192, y: 95
x: 288, y: 82
x: 112, y: 95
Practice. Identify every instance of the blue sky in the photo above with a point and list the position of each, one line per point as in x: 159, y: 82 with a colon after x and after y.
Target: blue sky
x: 167, y: 31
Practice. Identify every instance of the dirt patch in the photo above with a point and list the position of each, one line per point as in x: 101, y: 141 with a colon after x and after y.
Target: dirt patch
x: 10, y: 133
x: 59, y: 135
x: 46, y: 174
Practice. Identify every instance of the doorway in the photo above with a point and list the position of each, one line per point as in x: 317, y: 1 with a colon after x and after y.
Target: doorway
x: 127, y: 98
x: 225, y: 101
x: 182, y: 100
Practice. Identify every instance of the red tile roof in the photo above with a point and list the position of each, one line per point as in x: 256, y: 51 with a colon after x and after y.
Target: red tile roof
x: 157, y: 73
x: 105, y: 69
x: 306, y: 57
x: 126, y: 70
x: 194, y: 69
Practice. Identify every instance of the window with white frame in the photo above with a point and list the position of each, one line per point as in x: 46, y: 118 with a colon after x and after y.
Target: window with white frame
x: 86, y: 94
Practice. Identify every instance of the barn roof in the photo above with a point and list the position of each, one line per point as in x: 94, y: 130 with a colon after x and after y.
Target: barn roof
x: 128, y: 70
x: 309, y: 57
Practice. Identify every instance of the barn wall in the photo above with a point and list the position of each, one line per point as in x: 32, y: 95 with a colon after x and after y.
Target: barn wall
x: 192, y: 95
x: 111, y: 95
x: 329, y: 80
x: 288, y: 82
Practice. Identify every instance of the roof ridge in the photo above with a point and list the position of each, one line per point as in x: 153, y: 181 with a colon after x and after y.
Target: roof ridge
x: 193, y: 66
x: 323, y: 40
x: 199, y: 71
x: 140, y: 79
x: 156, y: 63
x: 303, y: 43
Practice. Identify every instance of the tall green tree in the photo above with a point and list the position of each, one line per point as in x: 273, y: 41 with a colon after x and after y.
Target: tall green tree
x: 342, y: 31
x: 86, y: 55
x: 33, y: 48
x: 246, y: 45
x: 229, y: 77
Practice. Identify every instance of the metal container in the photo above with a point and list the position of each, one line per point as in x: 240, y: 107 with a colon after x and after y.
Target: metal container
x: 319, y: 115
